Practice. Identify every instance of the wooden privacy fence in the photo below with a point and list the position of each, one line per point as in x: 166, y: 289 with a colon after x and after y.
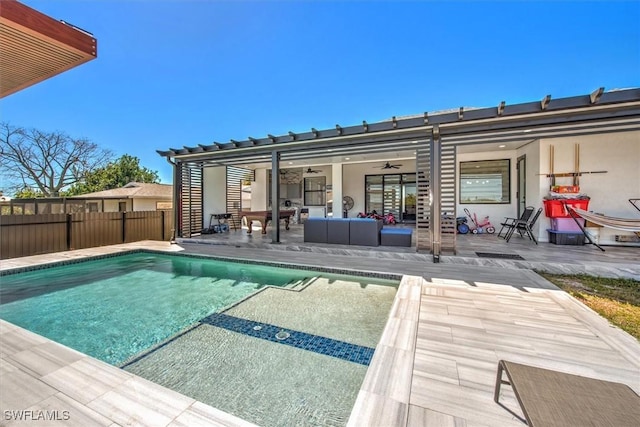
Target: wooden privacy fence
x: 24, y: 235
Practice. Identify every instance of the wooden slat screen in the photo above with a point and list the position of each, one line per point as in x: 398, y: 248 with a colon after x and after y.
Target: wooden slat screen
x: 423, y: 169
x: 448, y: 198
x: 235, y: 177
x: 190, y: 200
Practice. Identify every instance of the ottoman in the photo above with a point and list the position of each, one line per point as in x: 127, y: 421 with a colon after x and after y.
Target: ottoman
x: 395, y: 237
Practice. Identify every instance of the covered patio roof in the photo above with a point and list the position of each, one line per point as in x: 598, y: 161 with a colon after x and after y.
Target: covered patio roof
x: 430, y: 139
x: 36, y: 47
x: 600, y: 111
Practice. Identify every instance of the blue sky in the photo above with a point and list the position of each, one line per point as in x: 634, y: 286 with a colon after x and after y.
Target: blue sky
x: 174, y: 73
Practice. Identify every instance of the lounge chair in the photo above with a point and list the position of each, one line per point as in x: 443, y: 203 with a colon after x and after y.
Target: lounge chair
x: 509, y: 223
x: 524, y: 227
x: 551, y: 398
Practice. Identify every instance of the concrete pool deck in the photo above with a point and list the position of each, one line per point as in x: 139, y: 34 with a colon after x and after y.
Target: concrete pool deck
x: 434, y: 365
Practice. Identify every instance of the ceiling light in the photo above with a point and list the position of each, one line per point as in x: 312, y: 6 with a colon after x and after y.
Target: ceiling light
x: 347, y: 158
x: 290, y: 163
x: 329, y: 149
x: 526, y: 130
x: 501, y: 146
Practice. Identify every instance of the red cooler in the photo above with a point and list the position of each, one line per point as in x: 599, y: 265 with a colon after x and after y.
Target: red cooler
x: 555, y: 208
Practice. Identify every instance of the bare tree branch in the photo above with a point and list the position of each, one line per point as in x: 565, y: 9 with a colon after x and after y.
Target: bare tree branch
x: 49, y: 162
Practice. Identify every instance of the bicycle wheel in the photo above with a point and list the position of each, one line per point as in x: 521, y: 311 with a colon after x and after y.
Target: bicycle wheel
x: 491, y: 230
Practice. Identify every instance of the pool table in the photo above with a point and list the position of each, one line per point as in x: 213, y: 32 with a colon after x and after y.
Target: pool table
x: 264, y: 217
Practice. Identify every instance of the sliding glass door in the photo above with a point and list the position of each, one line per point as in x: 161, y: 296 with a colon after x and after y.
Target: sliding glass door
x: 391, y: 193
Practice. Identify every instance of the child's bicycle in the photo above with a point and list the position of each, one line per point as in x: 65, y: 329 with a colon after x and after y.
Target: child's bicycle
x: 480, y: 228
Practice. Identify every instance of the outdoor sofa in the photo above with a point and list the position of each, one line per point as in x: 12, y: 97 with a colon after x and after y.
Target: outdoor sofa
x: 344, y: 231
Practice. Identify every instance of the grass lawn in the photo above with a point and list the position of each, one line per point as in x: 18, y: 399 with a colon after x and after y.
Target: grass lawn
x: 617, y: 300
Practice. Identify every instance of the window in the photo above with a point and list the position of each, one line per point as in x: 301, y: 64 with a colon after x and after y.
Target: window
x: 314, y: 191
x: 485, y: 182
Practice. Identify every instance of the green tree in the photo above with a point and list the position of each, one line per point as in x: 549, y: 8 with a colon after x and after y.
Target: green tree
x: 47, y: 162
x: 29, y: 193
x: 116, y: 174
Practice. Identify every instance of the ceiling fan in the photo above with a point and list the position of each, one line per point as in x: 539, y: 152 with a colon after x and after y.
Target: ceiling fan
x: 390, y: 166
x: 309, y: 170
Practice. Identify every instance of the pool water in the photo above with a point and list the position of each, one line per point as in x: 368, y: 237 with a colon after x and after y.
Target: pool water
x: 114, y: 308
x: 274, y: 346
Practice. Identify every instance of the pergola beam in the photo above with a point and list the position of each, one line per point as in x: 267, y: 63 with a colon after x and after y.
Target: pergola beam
x: 599, y: 104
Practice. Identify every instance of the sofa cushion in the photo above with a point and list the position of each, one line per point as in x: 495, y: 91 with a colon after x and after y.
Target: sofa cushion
x: 315, y: 230
x: 396, y: 236
x: 338, y: 230
x: 364, y: 231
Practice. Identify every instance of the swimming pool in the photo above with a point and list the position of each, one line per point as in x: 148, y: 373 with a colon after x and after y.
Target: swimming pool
x: 290, y: 353
x: 114, y: 308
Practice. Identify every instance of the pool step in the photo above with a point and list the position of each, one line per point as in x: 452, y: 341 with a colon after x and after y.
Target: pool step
x: 298, y: 285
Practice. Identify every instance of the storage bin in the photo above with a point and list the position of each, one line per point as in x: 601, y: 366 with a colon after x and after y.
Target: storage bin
x: 566, y: 238
x: 555, y: 208
x: 566, y: 224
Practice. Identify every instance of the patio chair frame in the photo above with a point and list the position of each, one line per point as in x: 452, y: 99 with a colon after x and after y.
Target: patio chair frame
x: 552, y: 398
x: 524, y: 227
x: 509, y: 223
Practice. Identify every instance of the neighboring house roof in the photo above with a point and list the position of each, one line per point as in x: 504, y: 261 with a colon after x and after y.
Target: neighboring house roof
x: 133, y: 190
x: 37, y: 47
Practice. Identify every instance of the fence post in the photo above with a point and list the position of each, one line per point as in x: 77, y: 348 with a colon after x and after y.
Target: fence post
x: 124, y: 227
x: 68, y: 231
x: 162, y: 224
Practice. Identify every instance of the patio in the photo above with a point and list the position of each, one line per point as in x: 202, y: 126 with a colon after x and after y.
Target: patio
x: 616, y: 261
x: 436, y: 361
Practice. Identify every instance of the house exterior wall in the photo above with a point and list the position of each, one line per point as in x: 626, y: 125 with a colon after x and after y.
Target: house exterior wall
x: 616, y: 153
x: 496, y: 212
x: 112, y: 205
x: 146, y: 204
x: 326, y: 171
x: 214, y: 197
x: 259, y: 191
x: 531, y: 151
x: 353, y: 179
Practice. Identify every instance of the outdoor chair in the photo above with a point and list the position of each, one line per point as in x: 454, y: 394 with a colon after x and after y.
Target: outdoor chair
x: 525, y: 227
x: 510, y: 223
x: 551, y: 398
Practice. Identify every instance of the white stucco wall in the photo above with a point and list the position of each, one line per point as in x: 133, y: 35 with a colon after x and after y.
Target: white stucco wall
x: 336, y: 185
x: 214, y: 197
x: 146, y: 204
x: 111, y: 205
x: 616, y: 153
x: 353, y: 179
x: 496, y: 212
x: 259, y: 191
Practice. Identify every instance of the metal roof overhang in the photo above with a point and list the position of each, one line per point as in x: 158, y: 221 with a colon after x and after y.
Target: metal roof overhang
x: 36, y: 47
x: 581, y: 115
